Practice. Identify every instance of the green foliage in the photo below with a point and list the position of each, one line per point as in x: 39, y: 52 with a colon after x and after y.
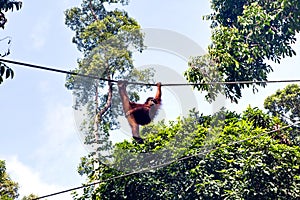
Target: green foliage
x: 257, y: 117
x: 224, y: 156
x: 30, y: 197
x: 107, y: 40
x: 5, y: 72
x: 5, y: 5
x: 236, y: 159
x: 93, y: 25
x: 284, y: 104
x: 8, y: 188
x: 245, y: 34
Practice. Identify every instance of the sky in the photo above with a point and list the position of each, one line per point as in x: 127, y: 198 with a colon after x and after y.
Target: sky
x: 39, y: 135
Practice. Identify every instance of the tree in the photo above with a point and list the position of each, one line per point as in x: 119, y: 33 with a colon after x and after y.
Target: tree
x: 30, y: 197
x: 8, y: 188
x: 107, y: 40
x: 5, y: 5
x: 245, y: 34
x: 225, y: 156
x: 284, y: 104
x: 240, y: 159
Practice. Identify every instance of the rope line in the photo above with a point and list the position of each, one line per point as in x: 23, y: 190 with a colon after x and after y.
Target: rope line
x: 139, y: 83
x: 67, y: 72
x: 166, y: 163
x: 149, y: 84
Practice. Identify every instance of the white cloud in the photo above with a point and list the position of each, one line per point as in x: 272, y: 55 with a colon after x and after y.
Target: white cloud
x: 30, y: 182
x: 52, y: 166
x: 53, y: 157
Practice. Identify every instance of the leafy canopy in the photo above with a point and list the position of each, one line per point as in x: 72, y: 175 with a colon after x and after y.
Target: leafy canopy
x: 8, y: 188
x: 239, y: 156
x: 245, y: 34
x: 237, y: 159
x: 107, y: 39
x: 5, y: 5
x: 284, y: 104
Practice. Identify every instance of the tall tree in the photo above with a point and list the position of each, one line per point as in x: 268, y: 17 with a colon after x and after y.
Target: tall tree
x: 107, y: 40
x: 242, y: 161
x: 245, y: 35
x: 6, y: 5
x: 284, y: 104
x: 8, y: 188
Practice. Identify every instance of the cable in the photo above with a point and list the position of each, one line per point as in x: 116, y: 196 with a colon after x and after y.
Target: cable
x: 164, y: 164
x: 139, y: 83
x: 51, y: 69
x: 66, y: 72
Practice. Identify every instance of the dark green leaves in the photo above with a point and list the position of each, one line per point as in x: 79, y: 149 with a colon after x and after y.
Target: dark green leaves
x: 229, y: 164
x: 285, y: 103
x: 245, y: 34
x: 6, y: 5
x: 107, y: 39
x: 5, y: 72
x: 8, y: 188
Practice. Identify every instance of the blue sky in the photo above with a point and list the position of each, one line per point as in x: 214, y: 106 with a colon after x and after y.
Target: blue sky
x: 39, y: 138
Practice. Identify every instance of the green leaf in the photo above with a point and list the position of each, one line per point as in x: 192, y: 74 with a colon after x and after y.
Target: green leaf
x: 12, y: 74
x: 8, y: 73
x: 2, y: 70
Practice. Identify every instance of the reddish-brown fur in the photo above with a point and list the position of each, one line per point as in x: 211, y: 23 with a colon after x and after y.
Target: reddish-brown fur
x: 139, y: 114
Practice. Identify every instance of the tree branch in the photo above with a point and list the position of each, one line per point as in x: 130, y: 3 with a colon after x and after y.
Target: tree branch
x: 93, y: 12
x: 109, y: 97
x: 110, y: 88
x: 97, y: 118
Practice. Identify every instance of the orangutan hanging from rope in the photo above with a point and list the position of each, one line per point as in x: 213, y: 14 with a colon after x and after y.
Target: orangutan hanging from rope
x: 139, y: 114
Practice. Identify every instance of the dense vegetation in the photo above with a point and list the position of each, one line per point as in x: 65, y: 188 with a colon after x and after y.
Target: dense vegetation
x: 225, y: 156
